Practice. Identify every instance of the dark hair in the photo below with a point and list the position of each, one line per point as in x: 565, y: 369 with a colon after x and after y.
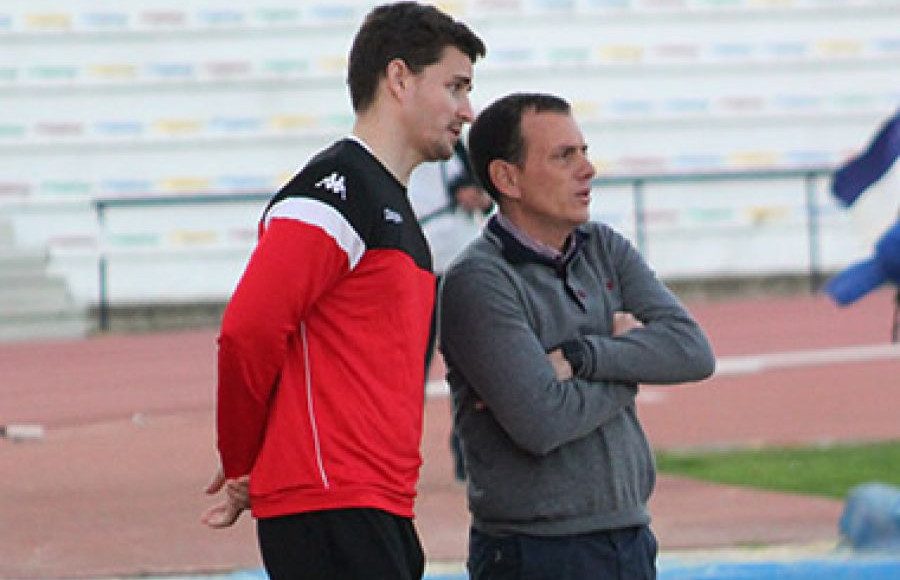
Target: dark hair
x: 497, y: 132
x: 410, y: 31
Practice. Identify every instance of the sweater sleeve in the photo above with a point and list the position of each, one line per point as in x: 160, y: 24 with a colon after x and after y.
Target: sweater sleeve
x: 488, y: 344
x: 670, y: 348
x: 294, y: 263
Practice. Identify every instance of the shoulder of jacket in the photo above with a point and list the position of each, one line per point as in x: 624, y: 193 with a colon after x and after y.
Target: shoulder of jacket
x: 602, y: 235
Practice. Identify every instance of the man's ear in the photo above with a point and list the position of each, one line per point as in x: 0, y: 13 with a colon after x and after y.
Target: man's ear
x: 397, y: 76
x: 505, y: 177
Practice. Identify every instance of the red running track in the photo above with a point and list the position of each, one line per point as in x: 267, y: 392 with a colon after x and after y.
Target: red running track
x: 114, y: 488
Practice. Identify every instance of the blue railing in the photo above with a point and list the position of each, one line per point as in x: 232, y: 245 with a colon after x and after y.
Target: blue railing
x: 807, y: 178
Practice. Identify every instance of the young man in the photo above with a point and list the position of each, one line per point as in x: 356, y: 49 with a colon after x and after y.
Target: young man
x: 547, y: 324
x: 322, y: 347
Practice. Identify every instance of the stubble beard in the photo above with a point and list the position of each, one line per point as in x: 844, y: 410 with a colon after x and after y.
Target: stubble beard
x: 440, y: 150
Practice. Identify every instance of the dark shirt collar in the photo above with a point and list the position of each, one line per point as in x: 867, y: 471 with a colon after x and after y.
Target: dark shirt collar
x: 518, y: 247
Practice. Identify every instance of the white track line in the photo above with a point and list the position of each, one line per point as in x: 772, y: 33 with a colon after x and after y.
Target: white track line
x: 744, y: 365
x: 757, y: 363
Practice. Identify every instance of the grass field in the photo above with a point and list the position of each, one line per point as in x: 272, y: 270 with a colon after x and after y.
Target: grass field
x: 825, y: 471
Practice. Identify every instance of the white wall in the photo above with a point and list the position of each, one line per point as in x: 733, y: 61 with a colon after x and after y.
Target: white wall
x: 169, y: 98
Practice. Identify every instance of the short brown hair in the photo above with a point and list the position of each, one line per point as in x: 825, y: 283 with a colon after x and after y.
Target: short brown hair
x: 413, y: 32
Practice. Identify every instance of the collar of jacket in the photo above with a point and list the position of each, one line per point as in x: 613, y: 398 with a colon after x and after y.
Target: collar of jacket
x: 517, y: 253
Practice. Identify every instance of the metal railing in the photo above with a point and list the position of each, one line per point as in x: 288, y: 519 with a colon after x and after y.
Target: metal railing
x: 101, y: 207
x: 808, y: 177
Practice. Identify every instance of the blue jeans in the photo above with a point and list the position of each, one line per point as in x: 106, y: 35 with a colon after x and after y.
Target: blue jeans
x: 627, y: 554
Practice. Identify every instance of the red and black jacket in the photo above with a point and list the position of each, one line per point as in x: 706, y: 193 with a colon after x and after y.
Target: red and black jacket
x: 322, y: 346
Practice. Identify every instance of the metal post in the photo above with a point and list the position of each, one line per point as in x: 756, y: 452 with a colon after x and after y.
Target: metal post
x: 812, y: 224
x: 102, y: 269
x: 640, y: 221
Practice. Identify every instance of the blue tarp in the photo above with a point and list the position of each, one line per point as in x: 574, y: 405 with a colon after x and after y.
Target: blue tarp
x: 820, y: 569
x: 871, y: 518
x: 830, y: 568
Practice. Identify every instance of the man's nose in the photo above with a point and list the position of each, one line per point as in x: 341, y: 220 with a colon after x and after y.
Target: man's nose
x: 589, y: 171
x: 466, y: 113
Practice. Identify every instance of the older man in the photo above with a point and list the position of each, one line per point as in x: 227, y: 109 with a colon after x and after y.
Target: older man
x: 548, y: 322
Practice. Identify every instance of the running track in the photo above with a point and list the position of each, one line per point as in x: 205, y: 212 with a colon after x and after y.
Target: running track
x: 114, y: 488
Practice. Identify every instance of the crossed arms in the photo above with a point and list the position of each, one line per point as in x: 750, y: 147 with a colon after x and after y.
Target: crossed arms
x: 497, y: 360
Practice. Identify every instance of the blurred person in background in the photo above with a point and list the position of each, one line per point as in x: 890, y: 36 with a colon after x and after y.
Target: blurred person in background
x: 321, y: 354
x: 870, y: 183
x: 449, y: 205
x: 548, y: 322
x: 451, y: 209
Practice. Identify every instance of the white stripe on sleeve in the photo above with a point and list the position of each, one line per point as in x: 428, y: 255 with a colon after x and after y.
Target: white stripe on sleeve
x: 316, y: 213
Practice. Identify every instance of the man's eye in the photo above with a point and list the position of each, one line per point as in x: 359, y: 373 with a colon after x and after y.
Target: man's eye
x: 573, y: 153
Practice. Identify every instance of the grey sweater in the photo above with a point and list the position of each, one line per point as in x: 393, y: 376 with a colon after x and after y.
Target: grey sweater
x: 550, y: 457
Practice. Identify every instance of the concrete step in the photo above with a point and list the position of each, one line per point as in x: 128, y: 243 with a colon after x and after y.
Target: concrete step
x: 50, y: 297
x: 61, y: 325
x: 7, y: 236
x: 27, y: 279
x: 22, y: 261
x: 33, y: 304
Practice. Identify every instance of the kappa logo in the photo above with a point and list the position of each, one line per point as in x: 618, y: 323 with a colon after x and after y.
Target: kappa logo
x: 335, y: 184
x: 393, y: 216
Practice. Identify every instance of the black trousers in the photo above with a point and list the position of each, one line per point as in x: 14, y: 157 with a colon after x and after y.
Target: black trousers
x: 627, y: 554
x: 341, y: 544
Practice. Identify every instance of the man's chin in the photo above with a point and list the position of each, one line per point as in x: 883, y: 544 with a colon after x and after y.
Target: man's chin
x: 581, y: 219
x: 440, y: 152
